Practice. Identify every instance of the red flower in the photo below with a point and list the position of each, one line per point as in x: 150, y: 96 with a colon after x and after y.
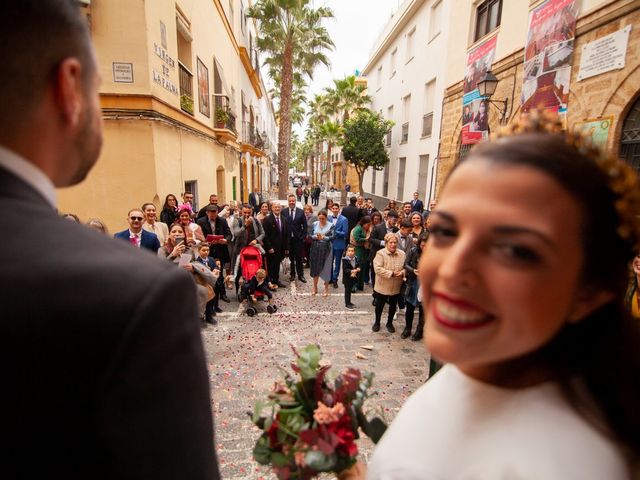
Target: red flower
x: 272, y: 433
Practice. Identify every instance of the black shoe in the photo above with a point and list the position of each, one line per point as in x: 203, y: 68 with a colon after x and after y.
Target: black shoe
x: 292, y: 278
x: 351, y: 306
x: 406, y: 333
x: 302, y: 279
x: 376, y: 327
x: 280, y: 284
x: 390, y: 328
x: 225, y: 299
x: 416, y: 336
x: 217, y: 310
x: 335, y: 283
x: 209, y: 319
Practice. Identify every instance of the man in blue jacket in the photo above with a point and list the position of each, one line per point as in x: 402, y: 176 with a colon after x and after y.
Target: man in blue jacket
x: 136, y: 235
x: 339, y: 242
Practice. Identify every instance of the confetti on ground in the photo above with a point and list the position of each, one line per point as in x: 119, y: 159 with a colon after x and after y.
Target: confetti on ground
x: 245, y: 354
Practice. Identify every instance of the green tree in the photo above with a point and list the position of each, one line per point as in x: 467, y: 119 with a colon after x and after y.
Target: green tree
x: 295, y: 41
x: 363, y: 142
x: 341, y: 101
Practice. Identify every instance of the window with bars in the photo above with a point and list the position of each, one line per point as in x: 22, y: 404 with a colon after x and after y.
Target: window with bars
x: 404, y: 138
x: 488, y: 16
x: 402, y: 165
x: 427, y: 124
x: 630, y: 138
x: 385, y: 181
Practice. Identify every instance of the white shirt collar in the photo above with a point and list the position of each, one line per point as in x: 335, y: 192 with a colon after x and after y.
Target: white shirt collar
x: 28, y: 173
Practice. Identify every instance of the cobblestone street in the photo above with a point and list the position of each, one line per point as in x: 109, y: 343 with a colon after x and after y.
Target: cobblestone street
x: 244, y: 355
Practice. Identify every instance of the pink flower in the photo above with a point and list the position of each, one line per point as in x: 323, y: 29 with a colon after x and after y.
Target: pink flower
x: 299, y: 458
x: 324, y: 415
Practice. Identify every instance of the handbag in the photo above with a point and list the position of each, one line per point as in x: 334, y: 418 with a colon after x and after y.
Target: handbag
x: 285, y: 267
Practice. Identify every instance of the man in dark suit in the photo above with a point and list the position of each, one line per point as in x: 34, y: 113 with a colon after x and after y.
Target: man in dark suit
x: 368, y: 208
x: 416, y: 203
x: 276, y: 240
x: 213, y: 200
x: 352, y: 212
x: 213, y: 224
x: 135, y: 234
x: 297, y: 226
x: 103, y: 369
x: 255, y: 200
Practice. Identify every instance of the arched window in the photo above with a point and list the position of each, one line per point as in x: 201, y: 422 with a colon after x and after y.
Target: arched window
x: 630, y: 140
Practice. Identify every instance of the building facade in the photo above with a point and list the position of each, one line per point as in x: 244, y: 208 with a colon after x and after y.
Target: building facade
x: 599, y: 92
x: 184, y: 107
x: 406, y: 83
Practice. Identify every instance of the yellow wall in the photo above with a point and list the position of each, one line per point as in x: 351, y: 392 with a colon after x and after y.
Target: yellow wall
x: 123, y: 178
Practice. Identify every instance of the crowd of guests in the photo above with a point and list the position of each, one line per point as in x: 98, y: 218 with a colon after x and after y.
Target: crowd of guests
x: 373, y: 248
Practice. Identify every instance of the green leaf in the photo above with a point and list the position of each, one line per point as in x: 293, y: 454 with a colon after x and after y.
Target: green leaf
x: 262, y: 452
x: 279, y: 460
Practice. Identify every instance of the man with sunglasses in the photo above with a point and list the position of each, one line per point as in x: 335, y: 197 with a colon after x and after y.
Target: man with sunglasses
x: 136, y: 235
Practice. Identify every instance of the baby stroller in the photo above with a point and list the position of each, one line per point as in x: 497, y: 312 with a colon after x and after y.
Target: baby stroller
x: 248, y: 263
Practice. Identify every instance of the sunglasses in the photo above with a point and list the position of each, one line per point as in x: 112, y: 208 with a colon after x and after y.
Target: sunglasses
x: 137, y: 218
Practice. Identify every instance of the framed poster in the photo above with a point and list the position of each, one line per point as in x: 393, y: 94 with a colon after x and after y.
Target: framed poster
x: 204, y: 104
x: 548, y: 56
x: 596, y: 129
x: 475, y: 111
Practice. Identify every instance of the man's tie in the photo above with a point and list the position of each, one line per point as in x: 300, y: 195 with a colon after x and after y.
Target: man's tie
x: 134, y: 240
x: 291, y: 213
x: 278, y: 222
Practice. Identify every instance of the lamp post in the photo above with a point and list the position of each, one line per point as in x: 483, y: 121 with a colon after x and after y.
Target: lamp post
x: 487, y: 87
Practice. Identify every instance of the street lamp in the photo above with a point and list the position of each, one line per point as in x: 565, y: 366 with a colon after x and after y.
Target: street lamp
x: 487, y: 87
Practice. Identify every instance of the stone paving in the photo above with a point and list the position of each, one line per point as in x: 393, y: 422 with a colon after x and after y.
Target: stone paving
x: 244, y: 354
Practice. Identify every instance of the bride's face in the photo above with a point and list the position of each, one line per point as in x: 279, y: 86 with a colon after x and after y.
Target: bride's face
x: 501, y: 270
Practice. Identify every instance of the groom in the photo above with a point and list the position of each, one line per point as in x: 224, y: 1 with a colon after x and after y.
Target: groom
x: 103, y: 369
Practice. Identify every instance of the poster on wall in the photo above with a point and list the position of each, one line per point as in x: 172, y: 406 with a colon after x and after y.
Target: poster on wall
x: 548, y: 56
x: 596, y: 129
x: 203, y: 89
x: 475, y: 111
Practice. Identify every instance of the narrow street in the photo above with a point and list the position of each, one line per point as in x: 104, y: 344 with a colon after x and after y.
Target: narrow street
x: 244, y: 354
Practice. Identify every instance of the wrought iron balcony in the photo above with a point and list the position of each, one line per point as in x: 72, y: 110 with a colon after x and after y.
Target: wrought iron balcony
x: 224, y: 116
x: 186, y: 89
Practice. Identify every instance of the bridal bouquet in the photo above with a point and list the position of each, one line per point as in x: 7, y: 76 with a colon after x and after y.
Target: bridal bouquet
x: 311, y: 423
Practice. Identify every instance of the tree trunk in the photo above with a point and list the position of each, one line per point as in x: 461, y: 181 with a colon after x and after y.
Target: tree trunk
x: 360, y: 177
x: 330, y: 165
x: 343, y: 196
x: 284, y: 133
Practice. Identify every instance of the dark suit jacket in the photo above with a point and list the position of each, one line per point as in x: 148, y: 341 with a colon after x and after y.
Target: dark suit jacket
x: 417, y: 206
x: 254, y: 201
x: 353, y: 215
x: 148, y: 240
x: 221, y: 252
x: 347, y: 268
x: 377, y: 236
x: 103, y: 370
x: 274, y: 238
x: 297, y: 225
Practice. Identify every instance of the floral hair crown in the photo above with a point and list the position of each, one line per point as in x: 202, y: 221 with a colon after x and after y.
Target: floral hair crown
x: 621, y: 178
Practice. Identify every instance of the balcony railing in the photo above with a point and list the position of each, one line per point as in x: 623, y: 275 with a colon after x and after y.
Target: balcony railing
x: 248, y: 133
x: 186, y: 89
x: 224, y: 116
x: 251, y: 136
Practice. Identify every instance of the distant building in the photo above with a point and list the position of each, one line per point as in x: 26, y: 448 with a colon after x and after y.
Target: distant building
x: 406, y: 83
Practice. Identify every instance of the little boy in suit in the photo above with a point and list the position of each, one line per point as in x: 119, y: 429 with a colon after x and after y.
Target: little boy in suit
x: 350, y: 271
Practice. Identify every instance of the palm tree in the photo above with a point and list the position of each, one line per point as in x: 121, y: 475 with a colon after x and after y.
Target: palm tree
x: 292, y: 36
x: 342, y: 100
